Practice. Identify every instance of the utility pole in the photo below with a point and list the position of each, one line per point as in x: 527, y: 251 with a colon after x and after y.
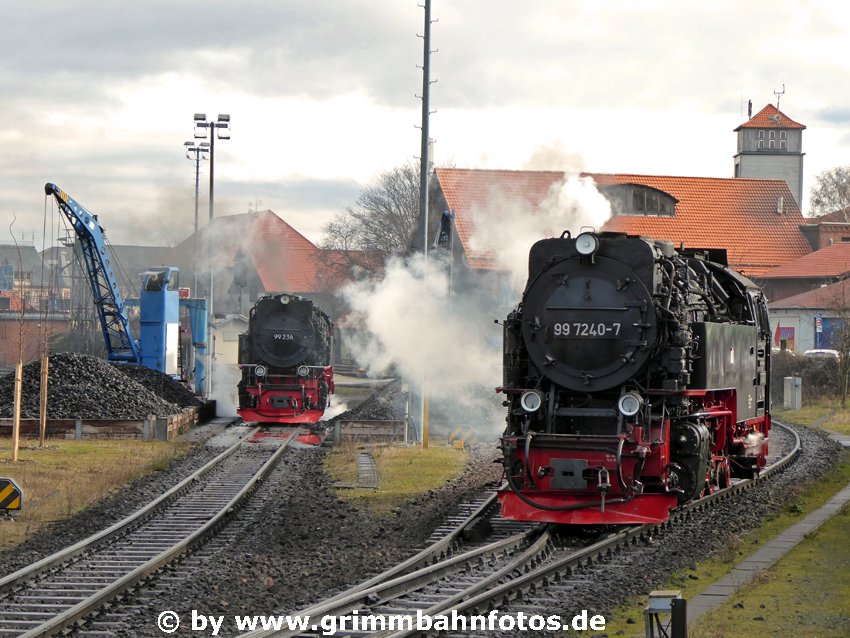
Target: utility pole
x: 423, y: 185
x: 196, y: 152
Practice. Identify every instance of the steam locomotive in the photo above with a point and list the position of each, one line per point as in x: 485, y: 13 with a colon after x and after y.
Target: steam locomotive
x: 286, y: 361
x: 636, y: 379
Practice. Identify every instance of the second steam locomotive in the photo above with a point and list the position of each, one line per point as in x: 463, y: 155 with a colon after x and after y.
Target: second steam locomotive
x: 286, y: 361
x: 636, y: 379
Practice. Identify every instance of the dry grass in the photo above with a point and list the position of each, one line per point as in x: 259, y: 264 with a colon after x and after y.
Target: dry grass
x: 808, y: 414
x: 403, y: 472
x: 828, y: 414
x: 66, y: 476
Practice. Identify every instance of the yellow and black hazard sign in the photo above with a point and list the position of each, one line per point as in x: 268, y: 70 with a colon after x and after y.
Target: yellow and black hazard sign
x: 11, y: 496
x: 463, y: 436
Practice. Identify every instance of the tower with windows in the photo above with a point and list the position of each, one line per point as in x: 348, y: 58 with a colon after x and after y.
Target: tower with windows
x: 770, y: 146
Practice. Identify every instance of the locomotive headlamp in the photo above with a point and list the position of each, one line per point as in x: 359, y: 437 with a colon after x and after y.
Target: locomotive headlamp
x: 284, y: 299
x: 587, y: 244
x: 630, y: 403
x: 260, y: 370
x: 531, y: 400
x: 303, y: 371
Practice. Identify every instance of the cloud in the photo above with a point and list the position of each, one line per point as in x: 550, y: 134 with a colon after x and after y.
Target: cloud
x: 100, y: 99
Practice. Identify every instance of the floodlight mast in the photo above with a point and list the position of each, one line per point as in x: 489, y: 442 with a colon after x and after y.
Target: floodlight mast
x: 222, y: 131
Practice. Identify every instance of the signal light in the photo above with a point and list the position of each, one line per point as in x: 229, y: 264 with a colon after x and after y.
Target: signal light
x: 587, y: 244
x: 531, y: 400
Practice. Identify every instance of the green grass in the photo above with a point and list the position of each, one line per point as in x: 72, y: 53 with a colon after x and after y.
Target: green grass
x: 403, y: 473
x: 807, y: 593
x: 67, y: 476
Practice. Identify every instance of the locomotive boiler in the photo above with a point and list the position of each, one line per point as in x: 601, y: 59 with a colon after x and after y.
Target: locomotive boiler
x: 286, y: 361
x: 636, y: 379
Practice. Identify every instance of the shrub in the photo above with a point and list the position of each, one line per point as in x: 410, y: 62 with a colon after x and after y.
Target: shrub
x: 819, y: 376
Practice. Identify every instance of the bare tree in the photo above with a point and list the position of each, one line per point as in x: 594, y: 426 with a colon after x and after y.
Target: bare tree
x: 831, y: 192
x: 379, y: 223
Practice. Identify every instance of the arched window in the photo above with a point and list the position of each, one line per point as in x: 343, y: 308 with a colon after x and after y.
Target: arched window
x: 637, y: 199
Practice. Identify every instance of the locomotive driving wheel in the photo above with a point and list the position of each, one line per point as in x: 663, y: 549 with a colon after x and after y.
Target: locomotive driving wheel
x: 724, y: 474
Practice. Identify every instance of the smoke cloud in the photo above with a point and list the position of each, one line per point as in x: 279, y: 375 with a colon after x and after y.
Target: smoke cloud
x: 418, y: 320
x: 507, y: 228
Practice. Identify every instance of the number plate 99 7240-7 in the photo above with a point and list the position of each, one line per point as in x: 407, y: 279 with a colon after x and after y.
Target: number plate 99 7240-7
x: 586, y: 329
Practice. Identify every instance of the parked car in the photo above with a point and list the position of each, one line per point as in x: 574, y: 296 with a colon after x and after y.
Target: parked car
x: 821, y: 352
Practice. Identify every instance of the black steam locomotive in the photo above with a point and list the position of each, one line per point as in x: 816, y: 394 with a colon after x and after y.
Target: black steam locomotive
x: 286, y: 361
x: 636, y: 380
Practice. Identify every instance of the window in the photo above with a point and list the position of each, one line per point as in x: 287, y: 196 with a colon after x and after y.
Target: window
x: 637, y: 199
x: 783, y: 145
x: 761, y: 134
x: 761, y: 143
x: 773, y: 135
x: 772, y: 144
x: 783, y: 135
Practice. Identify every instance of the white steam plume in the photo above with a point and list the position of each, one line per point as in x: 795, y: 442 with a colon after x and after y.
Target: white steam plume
x: 410, y: 320
x: 507, y: 228
x: 225, y: 379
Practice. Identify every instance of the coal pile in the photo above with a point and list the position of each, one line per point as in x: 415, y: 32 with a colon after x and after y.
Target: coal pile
x: 85, y: 387
x: 161, y: 385
x: 387, y: 404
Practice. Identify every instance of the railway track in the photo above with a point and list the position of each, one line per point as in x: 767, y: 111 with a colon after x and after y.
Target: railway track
x: 440, y: 581
x: 58, y: 591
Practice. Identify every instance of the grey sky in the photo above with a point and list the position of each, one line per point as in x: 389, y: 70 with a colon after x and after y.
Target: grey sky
x: 98, y: 96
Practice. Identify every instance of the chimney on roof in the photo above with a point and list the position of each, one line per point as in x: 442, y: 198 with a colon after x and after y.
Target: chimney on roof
x: 750, y: 110
x: 780, y: 205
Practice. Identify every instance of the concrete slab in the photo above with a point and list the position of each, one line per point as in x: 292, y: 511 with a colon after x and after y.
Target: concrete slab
x: 843, y: 439
x: 719, y: 589
x: 229, y: 436
x: 206, y: 431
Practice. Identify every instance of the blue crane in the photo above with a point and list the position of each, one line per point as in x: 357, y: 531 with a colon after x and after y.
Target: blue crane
x: 111, y: 309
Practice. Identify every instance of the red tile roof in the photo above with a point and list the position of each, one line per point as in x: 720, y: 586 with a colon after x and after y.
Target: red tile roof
x: 736, y: 214
x: 832, y: 261
x: 770, y: 117
x: 823, y: 297
x: 284, y: 259
x: 841, y: 216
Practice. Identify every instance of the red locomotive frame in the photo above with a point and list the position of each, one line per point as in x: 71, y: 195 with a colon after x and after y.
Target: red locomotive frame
x: 614, y: 505
x: 289, y: 398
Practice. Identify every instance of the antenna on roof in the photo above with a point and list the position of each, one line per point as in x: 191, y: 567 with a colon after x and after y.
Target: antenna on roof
x: 779, y: 95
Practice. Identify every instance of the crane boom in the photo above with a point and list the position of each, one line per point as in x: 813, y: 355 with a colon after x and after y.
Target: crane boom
x: 114, y: 322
